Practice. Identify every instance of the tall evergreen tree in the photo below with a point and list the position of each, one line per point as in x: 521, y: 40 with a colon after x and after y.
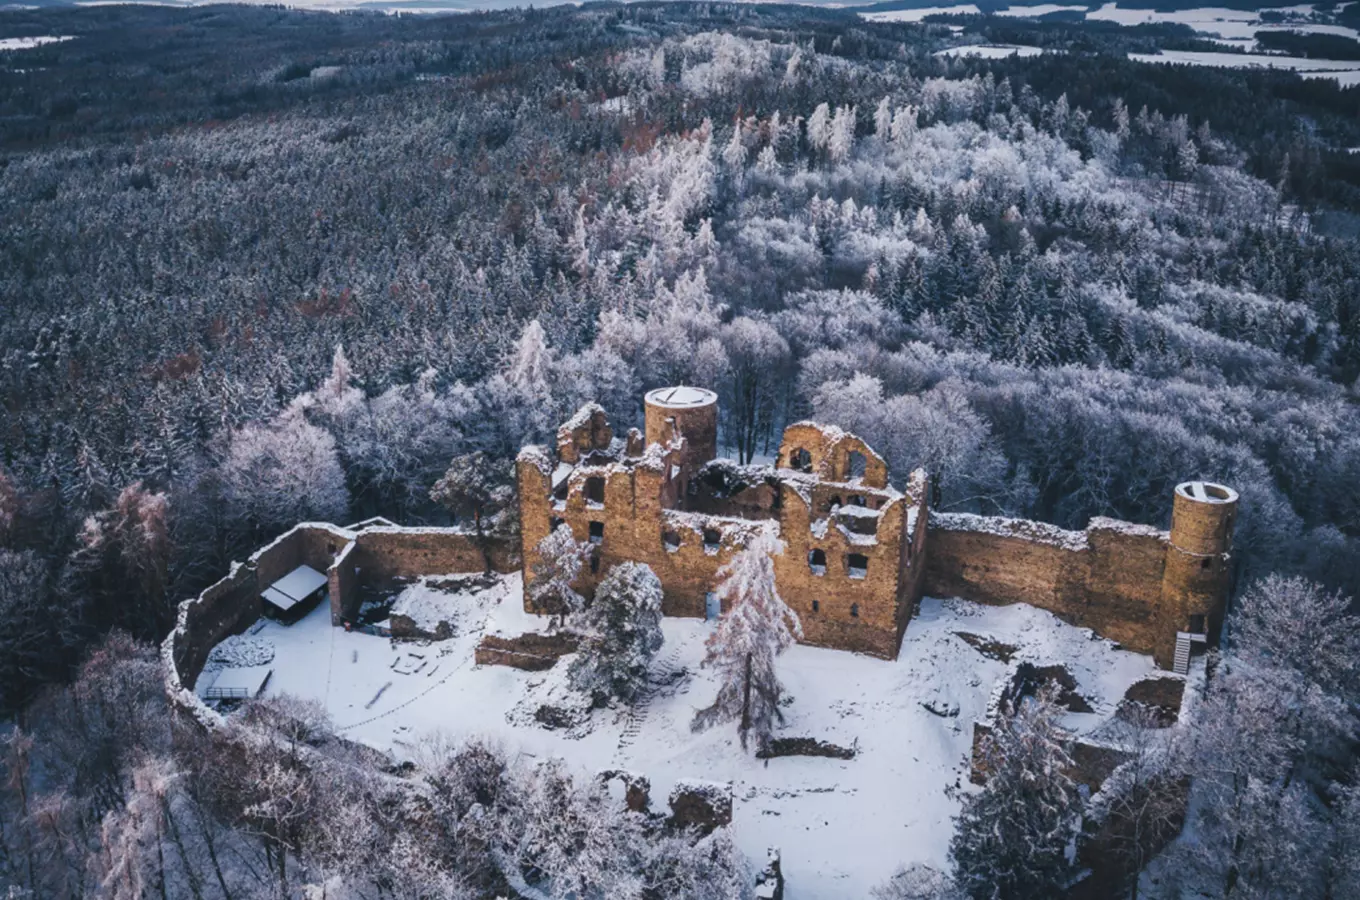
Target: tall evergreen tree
x: 1011, y: 840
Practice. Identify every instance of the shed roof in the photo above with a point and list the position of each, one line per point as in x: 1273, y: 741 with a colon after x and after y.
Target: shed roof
x: 293, y: 588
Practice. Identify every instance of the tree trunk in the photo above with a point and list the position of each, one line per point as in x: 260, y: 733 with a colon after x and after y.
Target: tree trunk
x: 746, y: 703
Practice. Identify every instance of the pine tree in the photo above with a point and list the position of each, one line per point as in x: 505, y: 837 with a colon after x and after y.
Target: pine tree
x: 1011, y: 840
x: 756, y: 628
x: 621, y: 633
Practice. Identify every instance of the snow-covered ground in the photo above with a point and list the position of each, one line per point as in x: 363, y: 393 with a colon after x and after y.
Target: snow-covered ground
x: 991, y: 51
x: 843, y: 826
x: 1344, y: 71
x: 27, y: 43
x: 1234, y: 27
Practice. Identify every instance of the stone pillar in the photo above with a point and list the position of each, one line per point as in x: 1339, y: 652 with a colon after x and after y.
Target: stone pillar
x: 1198, y: 572
x: 694, y: 411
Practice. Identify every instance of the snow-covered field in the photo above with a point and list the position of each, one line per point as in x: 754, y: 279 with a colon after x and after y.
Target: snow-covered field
x: 1343, y: 71
x: 27, y: 43
x: 991, y: 51
x: 1234, y: 27
x: 843, y: 826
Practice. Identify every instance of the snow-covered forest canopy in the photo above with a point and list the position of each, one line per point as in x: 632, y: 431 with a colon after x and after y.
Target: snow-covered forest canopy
x: 258, y: 266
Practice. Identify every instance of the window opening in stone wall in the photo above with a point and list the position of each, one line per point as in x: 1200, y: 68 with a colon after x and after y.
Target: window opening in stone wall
x: 800, y: 460
x: 595, y: 492
x: 670, y: 540
x: 1197, y: 624
x: 817, y: 561
x: 816, y: 606
x: 555, y: 523
x: 712, y: 606
x: 712, y: 538
x: 857, y: 565
x: 1206, y: 562
x: 856, y: 464
x: 854, y: 610
x: 857, y: 500
x: 596, y: 532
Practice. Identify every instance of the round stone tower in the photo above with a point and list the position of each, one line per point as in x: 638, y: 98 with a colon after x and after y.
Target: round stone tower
x: 1198, y: 573
x: 694, y: 411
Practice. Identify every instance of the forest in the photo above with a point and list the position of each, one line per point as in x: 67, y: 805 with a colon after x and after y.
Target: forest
x: 259, y: 266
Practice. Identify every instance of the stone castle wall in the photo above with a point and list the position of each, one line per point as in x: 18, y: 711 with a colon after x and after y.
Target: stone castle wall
x: 1108, y: 577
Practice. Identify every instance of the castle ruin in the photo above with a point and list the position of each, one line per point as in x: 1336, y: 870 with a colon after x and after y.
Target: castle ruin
x: 859, y: 552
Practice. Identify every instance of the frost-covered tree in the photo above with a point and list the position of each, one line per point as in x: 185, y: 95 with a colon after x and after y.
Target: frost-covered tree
x: 1012, y: 838
x: 918, y: 882
x: 754, y: 630
x: 121, y: 565
x: 620, y: 633
x: 842, y: 138
x: 476, y: 485
x: 819, y: 127
x: 552, y: 587
x: 883, y: 117
x: 279, y: 473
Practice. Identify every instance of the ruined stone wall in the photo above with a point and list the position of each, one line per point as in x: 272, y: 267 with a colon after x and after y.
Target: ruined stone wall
x: 225, y: 608
x: 382, y: 553
x: 837, y: 609
x: 344, y: 581
x: 1108, y: 577
x: 314, y: 544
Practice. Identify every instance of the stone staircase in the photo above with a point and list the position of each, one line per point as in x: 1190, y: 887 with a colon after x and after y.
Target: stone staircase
x: 663, y: 673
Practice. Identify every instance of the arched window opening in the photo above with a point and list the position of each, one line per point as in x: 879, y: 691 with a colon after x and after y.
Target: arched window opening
x: 857, y: 465
x: 800, y: 460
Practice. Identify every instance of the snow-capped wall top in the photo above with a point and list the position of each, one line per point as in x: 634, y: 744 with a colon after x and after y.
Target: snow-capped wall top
x: 581, y: 418
x: 1101, y: 523
x: 1022, y: 529
x: 681, y: 397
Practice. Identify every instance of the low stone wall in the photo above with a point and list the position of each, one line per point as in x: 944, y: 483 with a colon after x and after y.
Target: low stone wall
x: 1108, y: 577
x: 530, y: 652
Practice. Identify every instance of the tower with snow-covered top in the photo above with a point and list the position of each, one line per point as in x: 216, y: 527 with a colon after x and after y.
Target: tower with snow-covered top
x: 664, y: 498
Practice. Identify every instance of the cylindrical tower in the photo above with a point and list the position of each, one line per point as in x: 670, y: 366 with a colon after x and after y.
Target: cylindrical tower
x: 694, y: 412
x: 1198, y: 572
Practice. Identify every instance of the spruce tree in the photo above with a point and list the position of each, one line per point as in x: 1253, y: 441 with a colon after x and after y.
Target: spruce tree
x: 1011, y: 839
x: 621, y: 633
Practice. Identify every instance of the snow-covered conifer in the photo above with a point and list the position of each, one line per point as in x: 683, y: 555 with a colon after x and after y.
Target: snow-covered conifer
x: 621, y: 632
x: 819, y: 127
x: 904, y: 125
x: 883, y: 119
x: 755, y: 629
x: 842, y: 139
x: 1011, y: 839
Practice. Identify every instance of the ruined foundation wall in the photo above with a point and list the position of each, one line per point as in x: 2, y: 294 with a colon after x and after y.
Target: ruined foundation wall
x: 1108, y: 578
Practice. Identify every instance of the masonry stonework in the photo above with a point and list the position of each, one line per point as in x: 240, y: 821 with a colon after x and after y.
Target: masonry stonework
x: 858, y: 552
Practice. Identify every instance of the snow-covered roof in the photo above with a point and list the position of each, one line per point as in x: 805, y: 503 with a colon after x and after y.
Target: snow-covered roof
x: 681, y: 397
x: 293, y: 588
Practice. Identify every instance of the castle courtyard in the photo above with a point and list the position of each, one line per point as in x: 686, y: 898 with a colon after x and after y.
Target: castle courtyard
x: 841, y: 825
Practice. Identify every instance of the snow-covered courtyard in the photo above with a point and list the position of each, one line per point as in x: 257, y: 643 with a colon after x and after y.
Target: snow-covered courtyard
x: 842, y: 825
